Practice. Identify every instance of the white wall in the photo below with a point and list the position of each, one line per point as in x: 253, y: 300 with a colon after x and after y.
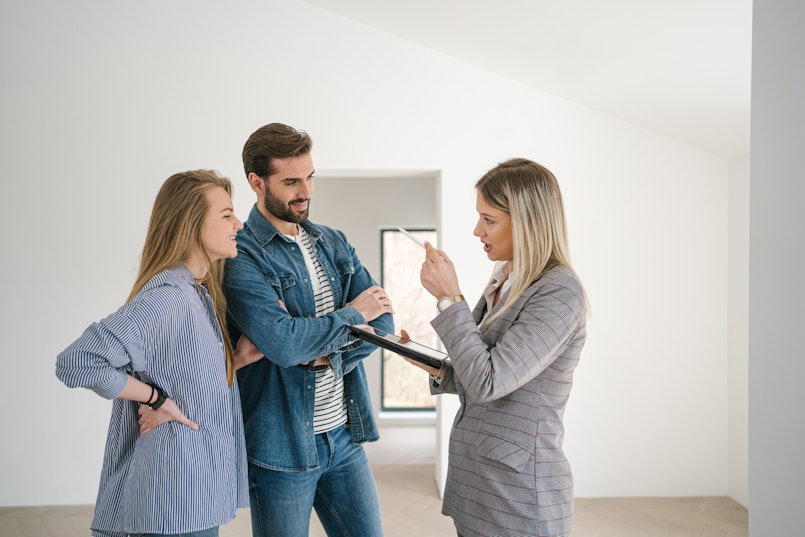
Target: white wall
x: 103, y: 101
x: 776, y: 268
x: 738, y: 333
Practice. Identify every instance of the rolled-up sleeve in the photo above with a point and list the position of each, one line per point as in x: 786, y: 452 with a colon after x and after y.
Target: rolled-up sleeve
x: 100, y: 358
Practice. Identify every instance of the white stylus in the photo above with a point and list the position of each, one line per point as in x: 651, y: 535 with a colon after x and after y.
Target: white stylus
x: 408, y: 234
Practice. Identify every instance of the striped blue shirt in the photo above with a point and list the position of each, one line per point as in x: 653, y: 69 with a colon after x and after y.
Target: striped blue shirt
x: 172, y: 479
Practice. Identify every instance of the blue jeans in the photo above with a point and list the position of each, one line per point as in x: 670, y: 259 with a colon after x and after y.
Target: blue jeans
x: 342, y: 490
x: 212, y: 532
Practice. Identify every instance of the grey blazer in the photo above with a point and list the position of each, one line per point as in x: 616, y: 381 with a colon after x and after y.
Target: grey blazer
x: 507, y: 474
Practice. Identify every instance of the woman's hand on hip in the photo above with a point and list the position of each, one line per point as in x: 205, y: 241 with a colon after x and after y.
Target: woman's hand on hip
x: 150, y: 419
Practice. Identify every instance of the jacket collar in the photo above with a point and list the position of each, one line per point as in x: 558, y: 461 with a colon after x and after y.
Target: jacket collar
x: 264, y: 231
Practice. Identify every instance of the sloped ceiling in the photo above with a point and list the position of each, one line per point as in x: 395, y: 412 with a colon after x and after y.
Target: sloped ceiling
x: 680, y: 68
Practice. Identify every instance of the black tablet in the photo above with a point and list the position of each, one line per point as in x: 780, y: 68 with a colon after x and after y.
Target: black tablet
x: 400, y: 345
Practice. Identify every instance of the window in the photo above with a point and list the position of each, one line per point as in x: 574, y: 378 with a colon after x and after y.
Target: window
x: 404, y: 386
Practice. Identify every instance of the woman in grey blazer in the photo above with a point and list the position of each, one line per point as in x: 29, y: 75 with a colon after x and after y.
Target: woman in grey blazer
x: 511, y: 360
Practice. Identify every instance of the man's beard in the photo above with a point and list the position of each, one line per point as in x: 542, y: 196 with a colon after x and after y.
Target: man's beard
x: 284, y: 212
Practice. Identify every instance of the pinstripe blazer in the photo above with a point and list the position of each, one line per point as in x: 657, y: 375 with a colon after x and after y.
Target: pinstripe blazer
x: 507, y: 474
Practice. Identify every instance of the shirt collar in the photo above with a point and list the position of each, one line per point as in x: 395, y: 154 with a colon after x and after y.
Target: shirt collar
x: 175, y: 274
x: 502, y: 277
x: 502, y: 273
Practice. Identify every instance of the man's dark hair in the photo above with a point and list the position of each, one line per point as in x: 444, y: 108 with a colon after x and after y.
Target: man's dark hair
x: 273, y: 141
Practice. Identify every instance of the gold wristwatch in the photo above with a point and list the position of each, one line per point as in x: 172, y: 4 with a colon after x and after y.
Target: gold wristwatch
x: 447, y: 301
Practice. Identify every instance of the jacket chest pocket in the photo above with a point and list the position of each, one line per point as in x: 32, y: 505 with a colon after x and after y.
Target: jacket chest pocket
x: 345, y: 270
x: 285, y: 287
x: 281, y: 282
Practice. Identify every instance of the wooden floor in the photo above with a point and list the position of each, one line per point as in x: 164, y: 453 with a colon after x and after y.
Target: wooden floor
x: 411, y: 507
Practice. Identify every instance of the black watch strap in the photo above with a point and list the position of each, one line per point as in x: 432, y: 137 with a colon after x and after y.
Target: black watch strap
x: 161, y: 396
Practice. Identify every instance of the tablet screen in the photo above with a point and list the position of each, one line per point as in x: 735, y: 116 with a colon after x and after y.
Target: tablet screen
x: 393, y: 342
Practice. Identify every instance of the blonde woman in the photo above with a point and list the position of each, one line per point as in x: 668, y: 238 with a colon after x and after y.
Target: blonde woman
x: 182, y: 470
x: 511, y: 361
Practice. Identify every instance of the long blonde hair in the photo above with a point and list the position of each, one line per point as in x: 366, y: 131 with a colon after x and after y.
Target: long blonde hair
x: 175, y: 228
x: 530, y: 195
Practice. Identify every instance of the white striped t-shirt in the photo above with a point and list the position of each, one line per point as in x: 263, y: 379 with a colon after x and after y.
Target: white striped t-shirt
x: 330, y: 407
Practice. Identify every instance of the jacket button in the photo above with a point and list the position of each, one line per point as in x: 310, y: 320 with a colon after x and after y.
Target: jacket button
x: 307, y: 424
x: 309, y: 386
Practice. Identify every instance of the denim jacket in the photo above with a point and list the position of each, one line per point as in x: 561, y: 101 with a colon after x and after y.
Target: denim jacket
x: 277, y: 393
